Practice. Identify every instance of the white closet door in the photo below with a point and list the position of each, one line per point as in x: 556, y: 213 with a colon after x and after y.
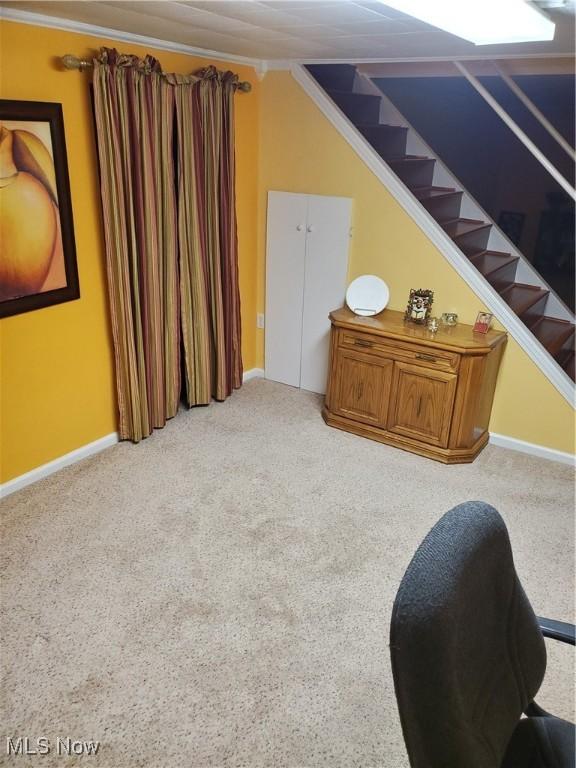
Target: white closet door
x: 327, y: 242
x: 285, y: 252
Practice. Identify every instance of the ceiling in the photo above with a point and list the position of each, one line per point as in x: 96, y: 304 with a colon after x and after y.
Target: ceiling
x: 296, y: 30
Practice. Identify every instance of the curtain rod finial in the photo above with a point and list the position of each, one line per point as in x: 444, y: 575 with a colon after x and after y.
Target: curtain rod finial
x: 73, y: 62
x: 245, y: 87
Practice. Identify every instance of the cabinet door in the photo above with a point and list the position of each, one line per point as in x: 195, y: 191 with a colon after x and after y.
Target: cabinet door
x: 285, y: 253
x: 421, y: 403
x: 327, y: 242
x: 362, y: 387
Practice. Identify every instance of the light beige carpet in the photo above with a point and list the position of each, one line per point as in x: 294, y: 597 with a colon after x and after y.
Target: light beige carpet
x: 220, y: 595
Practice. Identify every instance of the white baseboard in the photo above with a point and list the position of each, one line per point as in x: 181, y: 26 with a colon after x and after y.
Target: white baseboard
x: 534, y: 450
x: 53, y: 466
x: 16, y: 484
x: 253, y: 373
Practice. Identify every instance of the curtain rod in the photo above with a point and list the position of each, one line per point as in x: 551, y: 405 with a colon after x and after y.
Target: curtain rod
x: 73, y: 62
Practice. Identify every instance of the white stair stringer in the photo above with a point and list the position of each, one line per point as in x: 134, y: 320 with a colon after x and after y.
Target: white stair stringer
x: 470, y: 209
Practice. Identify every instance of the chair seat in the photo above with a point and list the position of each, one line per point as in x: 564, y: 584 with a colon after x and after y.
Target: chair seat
x: 541, y: 742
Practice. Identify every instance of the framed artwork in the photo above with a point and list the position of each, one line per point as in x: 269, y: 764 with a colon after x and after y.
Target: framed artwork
x: 512, y: 224
x: 483, y: 321
x: 37, y: 250
x: 419, y: 306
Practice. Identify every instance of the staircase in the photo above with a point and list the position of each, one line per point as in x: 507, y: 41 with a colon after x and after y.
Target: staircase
x: 533, y: 302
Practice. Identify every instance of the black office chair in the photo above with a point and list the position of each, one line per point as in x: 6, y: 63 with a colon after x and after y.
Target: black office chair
x: 468, y: 653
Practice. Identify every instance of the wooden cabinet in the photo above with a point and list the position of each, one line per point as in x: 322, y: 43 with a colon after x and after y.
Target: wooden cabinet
x: 400, y: 384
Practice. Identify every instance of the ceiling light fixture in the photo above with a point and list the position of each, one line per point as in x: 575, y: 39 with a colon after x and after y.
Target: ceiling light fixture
x: 482, y: 22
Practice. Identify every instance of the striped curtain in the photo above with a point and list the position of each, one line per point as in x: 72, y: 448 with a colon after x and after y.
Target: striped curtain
x: 166, y: 150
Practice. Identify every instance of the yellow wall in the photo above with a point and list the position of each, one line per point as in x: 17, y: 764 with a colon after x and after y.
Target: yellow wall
x: 301, y: 152
x: 56, y: 376
x: 57, y: 388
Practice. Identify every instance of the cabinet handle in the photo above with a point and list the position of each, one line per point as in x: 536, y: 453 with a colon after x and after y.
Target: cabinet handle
x: 419, y: 406
x: 300, y: 227
x: 360, y: 389
x: 310, y: 228
x: 430, y: 358
x: 363, y: 343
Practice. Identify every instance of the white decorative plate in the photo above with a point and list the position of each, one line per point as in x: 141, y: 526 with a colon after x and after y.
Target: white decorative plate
x: 367, y: 295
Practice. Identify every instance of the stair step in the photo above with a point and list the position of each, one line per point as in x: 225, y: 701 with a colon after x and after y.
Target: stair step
x: 361, y: 108
x: 414, y: 170
x: 337, y: 77
x: 443, y: 203
x: 470, y: 235
x: 459, y: 227
x: 497, y: 267
x: 387, y: 140
x: 488, y: 262
x: 553, y: 333
x: 411, y: 159
x: 526, y: 301
x: 433, y: 193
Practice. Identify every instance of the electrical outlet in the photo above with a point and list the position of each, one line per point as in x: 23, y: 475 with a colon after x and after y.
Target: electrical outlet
x: 260, y: 320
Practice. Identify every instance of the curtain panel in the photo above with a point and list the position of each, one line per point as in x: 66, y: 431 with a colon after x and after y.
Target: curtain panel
x: 166, y: 151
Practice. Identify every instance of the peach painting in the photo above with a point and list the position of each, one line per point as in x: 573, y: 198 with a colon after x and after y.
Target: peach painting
x: 32, y: 257
x: 32, y: 253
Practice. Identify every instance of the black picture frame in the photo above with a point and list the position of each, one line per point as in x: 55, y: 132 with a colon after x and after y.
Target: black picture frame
x: 12, y: 111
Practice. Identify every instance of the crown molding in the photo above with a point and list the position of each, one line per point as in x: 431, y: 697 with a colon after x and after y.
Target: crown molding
x: 280, y: 64
x: 81, y: 28
x: 433, y: 59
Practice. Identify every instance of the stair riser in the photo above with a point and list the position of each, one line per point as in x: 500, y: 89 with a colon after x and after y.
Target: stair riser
x: 360, y: 109
x: 444, y: 208
x: 535, y: 312
x: 567, y: 348
x: 473, y: 241
x: 395, y: 147
x: 335, y: 77
x: 387, y: 142
x: 504, y: 277
x: 415, y: 174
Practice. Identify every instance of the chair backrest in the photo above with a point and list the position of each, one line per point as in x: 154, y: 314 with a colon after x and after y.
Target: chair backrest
x: 467, y: 652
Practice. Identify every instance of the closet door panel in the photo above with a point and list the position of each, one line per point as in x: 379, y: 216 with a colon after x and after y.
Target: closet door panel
x: 285, y: 253
x: 326, y: 270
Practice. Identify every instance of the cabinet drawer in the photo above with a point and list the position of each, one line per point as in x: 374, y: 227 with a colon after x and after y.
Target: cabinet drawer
x: 396, y: 350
